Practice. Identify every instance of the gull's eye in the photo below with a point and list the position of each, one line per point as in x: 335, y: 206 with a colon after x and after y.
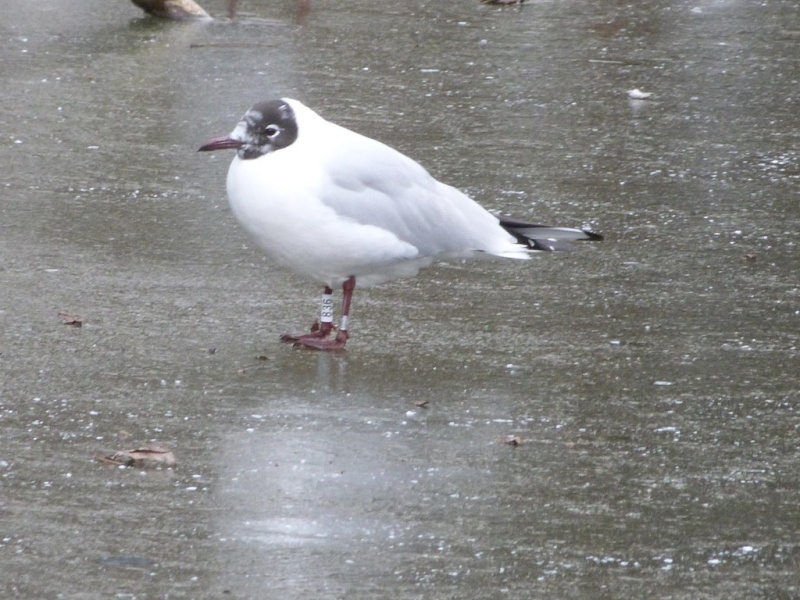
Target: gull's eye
x: 272, y: 131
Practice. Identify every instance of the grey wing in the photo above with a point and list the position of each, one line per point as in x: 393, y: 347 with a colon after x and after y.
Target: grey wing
x: 378, y: 186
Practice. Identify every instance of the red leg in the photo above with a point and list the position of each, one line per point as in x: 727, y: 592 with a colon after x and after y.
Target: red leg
x: 320, y: 329
x: 340, y: 340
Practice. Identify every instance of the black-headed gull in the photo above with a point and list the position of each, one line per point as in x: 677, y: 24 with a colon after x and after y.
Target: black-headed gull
x: 341, y: 208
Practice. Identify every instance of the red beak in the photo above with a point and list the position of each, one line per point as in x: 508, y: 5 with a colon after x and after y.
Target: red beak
x: 220, y: 143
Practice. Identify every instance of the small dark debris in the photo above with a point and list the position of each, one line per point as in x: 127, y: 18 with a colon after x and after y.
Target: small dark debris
x: 750, y: 257
x: 149, y: 456
x: 422, y: 403
x: 69, y: 319
x: 513, y: 440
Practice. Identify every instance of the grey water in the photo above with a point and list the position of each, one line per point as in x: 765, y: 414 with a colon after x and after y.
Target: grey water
x: 649, y: 383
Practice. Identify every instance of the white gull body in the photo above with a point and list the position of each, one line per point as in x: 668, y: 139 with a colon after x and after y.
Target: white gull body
x: 336, y: 204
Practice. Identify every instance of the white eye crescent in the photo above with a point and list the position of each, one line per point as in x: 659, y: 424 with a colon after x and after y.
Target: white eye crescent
x: 272, y: 130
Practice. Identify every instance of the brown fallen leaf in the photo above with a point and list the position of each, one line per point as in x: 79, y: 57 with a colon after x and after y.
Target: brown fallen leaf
x: 149, y: 456
x: 422, y: 403
x: 69, y: 319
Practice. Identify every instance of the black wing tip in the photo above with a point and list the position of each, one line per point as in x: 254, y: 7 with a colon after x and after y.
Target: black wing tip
x: 592, y: 236
x: 513, y: 226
